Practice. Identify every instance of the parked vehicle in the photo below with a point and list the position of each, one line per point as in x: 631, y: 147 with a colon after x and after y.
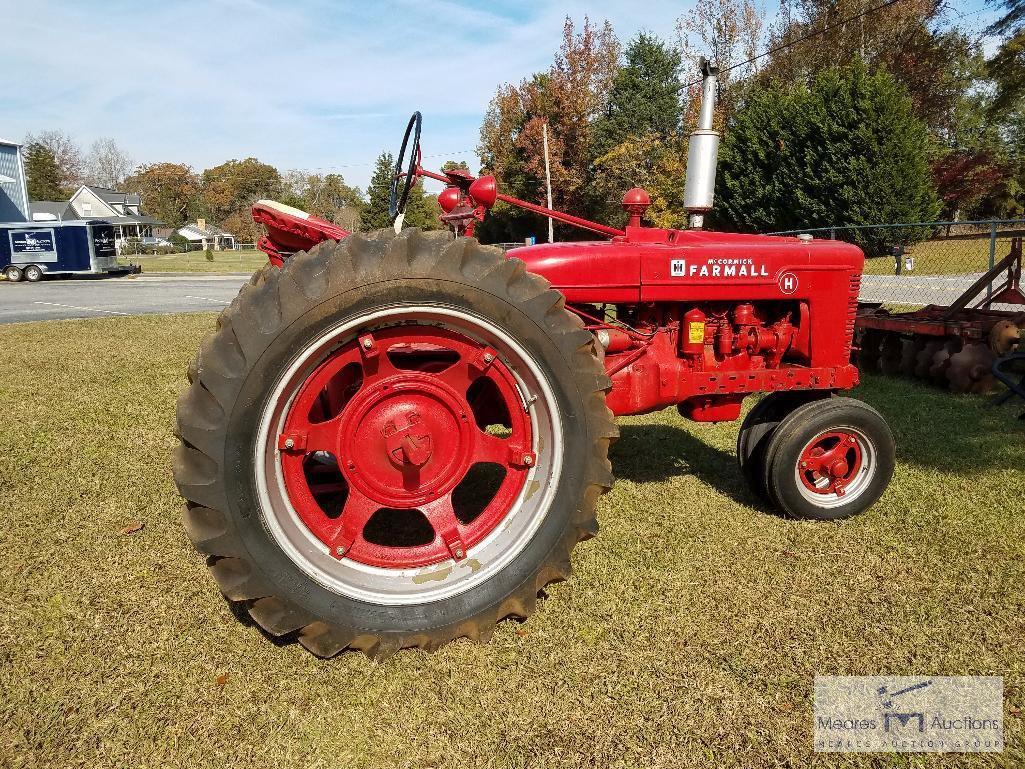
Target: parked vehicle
x: 30, y: 250
x: 396, y: 439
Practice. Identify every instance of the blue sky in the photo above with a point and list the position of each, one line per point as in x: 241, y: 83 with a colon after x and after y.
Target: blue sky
x: 311, y: 84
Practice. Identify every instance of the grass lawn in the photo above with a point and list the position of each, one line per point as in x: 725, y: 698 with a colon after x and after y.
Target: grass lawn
x: 195, y: 261
x: 689, y: 635
x: 944, y: 257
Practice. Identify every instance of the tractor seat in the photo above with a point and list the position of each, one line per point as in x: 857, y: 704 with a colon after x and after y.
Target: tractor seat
x: 291, y: 229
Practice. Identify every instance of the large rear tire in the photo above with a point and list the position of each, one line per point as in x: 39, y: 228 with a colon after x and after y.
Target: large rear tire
x: 334, y: 420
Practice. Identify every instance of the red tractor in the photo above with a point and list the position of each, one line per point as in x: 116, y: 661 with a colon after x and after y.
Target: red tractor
x: 396, y: 439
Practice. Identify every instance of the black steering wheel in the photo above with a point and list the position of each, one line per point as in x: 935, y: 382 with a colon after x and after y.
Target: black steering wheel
x: 397, y: 202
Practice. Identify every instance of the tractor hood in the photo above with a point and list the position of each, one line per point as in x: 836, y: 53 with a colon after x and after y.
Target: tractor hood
x: 659, y: 265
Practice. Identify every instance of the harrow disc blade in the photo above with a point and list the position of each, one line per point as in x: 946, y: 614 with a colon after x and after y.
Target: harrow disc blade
x: 923, y: 361
x: 1003, y: 337
x: 969, y: 369
x: 868, y: 355
x: 941, y: 361
x: 890, y: 353
x: 909, y: 355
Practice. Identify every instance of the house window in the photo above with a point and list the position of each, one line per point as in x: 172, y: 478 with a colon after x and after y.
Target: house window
x: 87, y: 209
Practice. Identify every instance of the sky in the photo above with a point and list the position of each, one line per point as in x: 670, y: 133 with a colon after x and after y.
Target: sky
x: 318, y: 85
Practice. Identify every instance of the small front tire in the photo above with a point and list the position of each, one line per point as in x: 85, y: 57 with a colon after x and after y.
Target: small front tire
x: 828, y: 460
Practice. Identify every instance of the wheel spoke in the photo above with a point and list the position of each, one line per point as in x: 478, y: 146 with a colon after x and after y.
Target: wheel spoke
x: 442, y: 517
x: 357, y: 511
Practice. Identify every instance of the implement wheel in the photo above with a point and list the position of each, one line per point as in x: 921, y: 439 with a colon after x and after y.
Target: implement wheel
x: 393, y: 441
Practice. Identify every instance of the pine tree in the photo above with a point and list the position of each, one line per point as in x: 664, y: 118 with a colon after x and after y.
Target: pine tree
x: 376, y: 215
x: 645, y: 96
x: 846, y: 151
x: 45, y: 178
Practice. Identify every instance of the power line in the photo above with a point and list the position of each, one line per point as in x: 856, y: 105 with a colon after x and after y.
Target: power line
x: 801, y: 39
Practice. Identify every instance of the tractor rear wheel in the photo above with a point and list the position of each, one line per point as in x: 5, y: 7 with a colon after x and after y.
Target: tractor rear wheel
x: 393, y: 441
x: 829, y: 459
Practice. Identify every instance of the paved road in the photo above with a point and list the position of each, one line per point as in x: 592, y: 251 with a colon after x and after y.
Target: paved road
x: 98, y: 297
x: 109, y: 297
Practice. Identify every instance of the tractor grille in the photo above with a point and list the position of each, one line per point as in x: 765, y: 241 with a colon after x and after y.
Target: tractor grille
x: 852, y: 310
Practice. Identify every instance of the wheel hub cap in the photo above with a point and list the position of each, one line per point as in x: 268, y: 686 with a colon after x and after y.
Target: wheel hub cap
x: 407, y: 440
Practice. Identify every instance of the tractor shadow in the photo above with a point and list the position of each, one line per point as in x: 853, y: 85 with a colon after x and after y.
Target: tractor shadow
x: 654, y: 453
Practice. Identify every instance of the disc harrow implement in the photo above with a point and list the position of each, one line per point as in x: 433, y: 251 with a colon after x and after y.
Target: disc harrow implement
x: 951, y: 346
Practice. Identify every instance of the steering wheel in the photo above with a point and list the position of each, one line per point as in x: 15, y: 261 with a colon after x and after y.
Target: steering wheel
x: 398, y: 200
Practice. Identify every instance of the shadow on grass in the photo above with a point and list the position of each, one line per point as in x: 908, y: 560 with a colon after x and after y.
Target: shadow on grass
x: 654, y: 453
x: 951, y: 433
x: 933, y: 428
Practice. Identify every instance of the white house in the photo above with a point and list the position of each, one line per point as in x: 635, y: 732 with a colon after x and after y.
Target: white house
x: 119, y: 208
x: 207, y: 236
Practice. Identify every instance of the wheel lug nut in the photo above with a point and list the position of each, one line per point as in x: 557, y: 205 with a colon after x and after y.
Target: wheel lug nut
x: 488, y: 357
x: 289, y: 443
x: 340, y: 550
x: 368, y: 343
x: 804, y: 464
x: 528, y: 460
x: 459, y: 553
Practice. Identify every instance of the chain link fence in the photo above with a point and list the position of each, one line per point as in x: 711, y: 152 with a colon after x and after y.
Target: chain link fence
x: 912, y: 265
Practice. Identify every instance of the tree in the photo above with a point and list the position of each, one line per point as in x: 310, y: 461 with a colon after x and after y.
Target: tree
x: 1007, y: 67
x: 167, y: 191
x: 107, y: 164
x: 654, y: 162
x: 326, y: 196
x: 727, y: 33
x: 422, y: 210
x: 376, y: 214
x: 567, y: 98
x: 848, y: 150
x: 644, y: 98
x: 230, y: 189
x: 44, y: 176
x: 66, y: 154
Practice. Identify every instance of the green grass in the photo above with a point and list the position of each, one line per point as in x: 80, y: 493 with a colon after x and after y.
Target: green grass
x: 689, y: 635
x: 195, y: 261
x: 943, y: 257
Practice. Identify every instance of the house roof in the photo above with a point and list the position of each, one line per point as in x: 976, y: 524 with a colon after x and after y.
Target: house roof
x: 113, y: 196
x: 193, y: 232
x: 59, y: 208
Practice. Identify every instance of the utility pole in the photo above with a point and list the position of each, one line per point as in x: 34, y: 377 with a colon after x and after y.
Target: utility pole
x: 548, y: 180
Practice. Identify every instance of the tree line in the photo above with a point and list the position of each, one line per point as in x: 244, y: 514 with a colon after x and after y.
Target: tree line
x: 854, y: 118
x: 175, y: 193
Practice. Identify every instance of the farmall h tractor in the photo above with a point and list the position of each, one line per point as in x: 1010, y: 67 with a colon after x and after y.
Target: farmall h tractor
x: 396, y: 439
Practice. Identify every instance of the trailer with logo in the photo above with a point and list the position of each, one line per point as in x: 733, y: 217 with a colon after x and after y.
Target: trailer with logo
x: 30, y: 250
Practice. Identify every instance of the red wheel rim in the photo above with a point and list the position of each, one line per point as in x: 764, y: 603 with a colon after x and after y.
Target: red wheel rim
x: 401, y: 411
x: 830, y: 461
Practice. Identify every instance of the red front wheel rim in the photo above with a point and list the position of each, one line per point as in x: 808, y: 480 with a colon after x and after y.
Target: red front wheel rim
x: 835, y: 466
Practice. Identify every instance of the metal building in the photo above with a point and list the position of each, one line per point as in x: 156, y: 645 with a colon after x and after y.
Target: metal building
x: 14, y: 205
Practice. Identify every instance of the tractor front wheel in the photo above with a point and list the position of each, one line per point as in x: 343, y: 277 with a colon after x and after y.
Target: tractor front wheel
x: 758, y: 427
x: 393, y: 441
x: 828, y: 459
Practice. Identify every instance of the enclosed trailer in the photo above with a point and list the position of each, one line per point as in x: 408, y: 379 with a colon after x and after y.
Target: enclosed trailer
x: 30, y: 250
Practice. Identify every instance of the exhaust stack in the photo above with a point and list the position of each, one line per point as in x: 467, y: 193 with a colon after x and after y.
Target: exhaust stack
x: 703, y: 153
